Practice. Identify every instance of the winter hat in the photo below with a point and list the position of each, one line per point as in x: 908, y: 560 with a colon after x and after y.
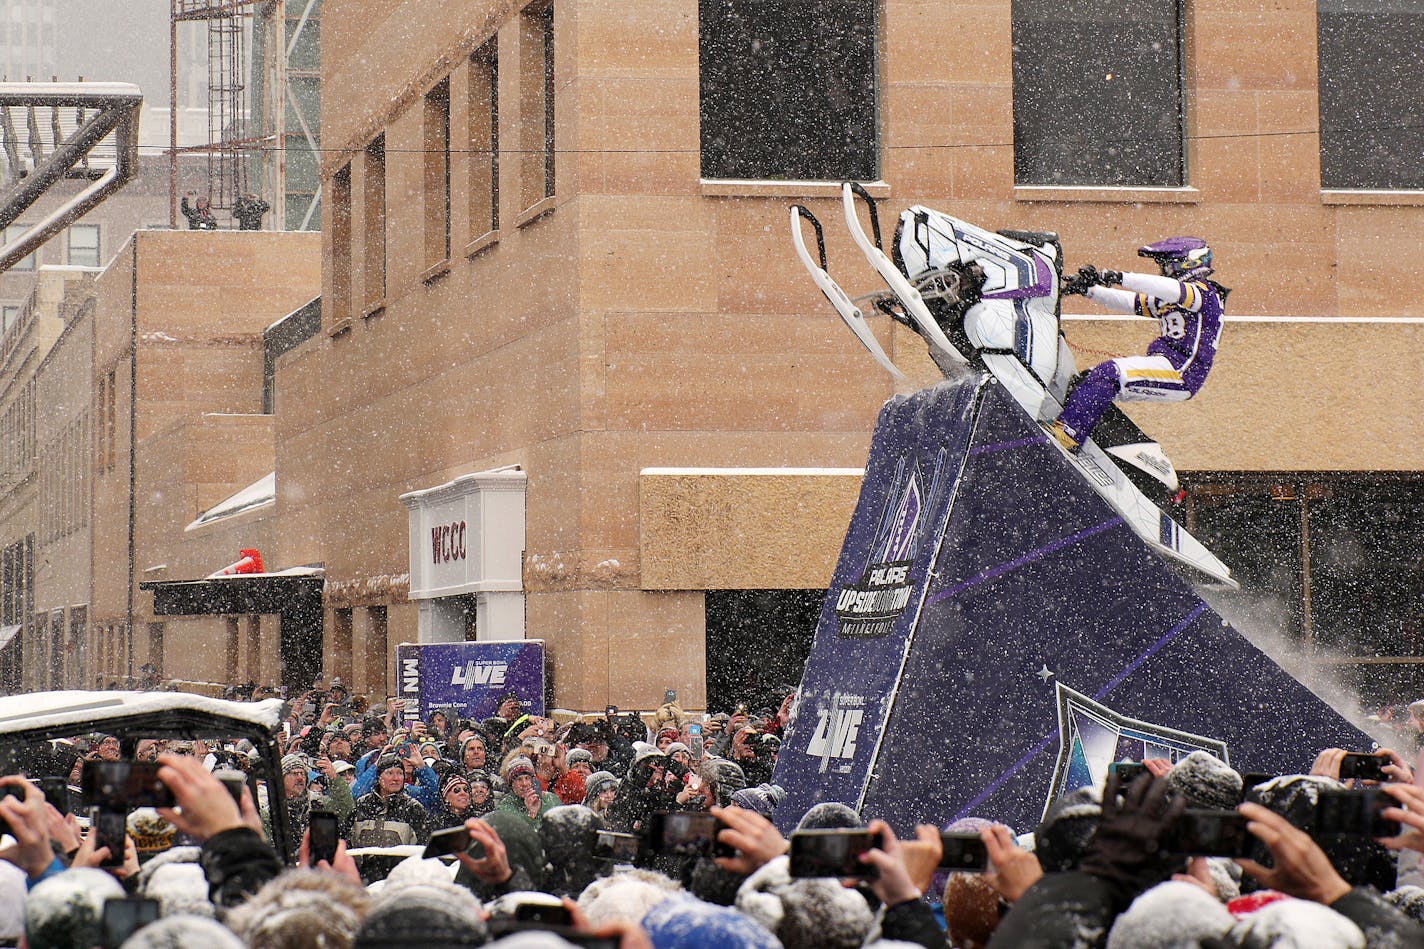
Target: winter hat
x: 63, y: 911
x: 1362, y: 861
x: 828, y: 815
x: 430, y: 915
x: 295, y: 764
x: 685, y: 921
x: 13, y: 882
x: 1066, y: 829
x: 300, y: 908
x: 624, y: 896
x: 1409, y: 900
x: 805, y: 913
x: 670, y: 731
x: 387, y: 762
x: 451, y: 779
x: 151, y: 833
x: 183, y: 932
x: 532, y: 939
x: 675, y: 747
x: 1295, y: 923
x: 341, y: 766
x: 418, y: 870
x: 597, y: 783
x: 762, y: 799
x: 372, y: 726
x: 1205, y: 781
x: 1225, y: 878
x: 1171, y: 915
x: 478, y: 776
x: 179, y: 885
x: 728, y: 777
x: 575, y: 755
x: 568, y: 833
x: 517, y: 766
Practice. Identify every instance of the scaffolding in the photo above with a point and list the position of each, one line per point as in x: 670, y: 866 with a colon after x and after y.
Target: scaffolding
x: 263, y: 105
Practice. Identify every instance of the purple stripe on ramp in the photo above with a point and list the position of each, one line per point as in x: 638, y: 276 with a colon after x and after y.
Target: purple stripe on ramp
x: 1037, y: 553
x: 982, y: 796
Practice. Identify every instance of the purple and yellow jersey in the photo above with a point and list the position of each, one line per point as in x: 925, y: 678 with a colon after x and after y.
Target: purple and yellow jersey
x: 1189, y: 314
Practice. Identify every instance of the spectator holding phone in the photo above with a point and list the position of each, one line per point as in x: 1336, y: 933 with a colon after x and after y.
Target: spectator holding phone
x: 525, y: 798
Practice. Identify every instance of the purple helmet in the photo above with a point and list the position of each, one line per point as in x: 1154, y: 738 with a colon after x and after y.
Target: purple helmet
x: 1180, y: 257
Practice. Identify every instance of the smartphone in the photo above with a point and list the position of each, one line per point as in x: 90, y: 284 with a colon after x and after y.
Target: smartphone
x: 688, y: 834
x: 56, y: 792
x: 670, y: 697
x: 1127, y: 771
x: 234, y: 781
x: 694, y: 729
x: 452, y: 841
x: 124, y: 916
x: 109, y: 829
x: 832, y: 853
x: 543, y: 748
x: 124, y: 785
x: 1363, y: 767
x: 1211, y: 833
x: 544, y: 913
x: 322, y: 836
x: 620, y: 848
x: 963, y: 852
x: 1356, y: 813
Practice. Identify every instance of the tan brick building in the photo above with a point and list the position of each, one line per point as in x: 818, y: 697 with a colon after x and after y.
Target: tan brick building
x: 594, y: 303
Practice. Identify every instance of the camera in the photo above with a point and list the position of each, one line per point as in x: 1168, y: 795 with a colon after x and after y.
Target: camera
x: 964, y: 852
x: 687, y: 834
x: 833, y: 853
x: 124, y: 785
x: 1200, y: 832
x: 1356, y: 813
x: 454, y: 840
x: 1363, y: 767
x: 620, y: 848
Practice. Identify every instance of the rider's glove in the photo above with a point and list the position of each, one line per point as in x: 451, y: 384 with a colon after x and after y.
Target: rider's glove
x: 1110, y: 278
x: 1073, y: 286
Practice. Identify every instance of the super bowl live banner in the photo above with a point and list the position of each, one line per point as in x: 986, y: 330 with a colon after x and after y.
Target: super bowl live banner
x: 467, y: 679
x: 995, y: 635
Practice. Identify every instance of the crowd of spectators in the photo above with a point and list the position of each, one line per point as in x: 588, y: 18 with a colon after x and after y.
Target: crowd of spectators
x: 558, y: 825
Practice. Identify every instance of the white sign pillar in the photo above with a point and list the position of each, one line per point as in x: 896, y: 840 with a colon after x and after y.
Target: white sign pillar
x: 467, y: 539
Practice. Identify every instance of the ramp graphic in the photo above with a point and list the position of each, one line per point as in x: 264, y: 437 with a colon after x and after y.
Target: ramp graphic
x: 989, y: 574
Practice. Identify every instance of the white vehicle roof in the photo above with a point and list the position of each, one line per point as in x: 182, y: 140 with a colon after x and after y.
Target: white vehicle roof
x: 88, y: 711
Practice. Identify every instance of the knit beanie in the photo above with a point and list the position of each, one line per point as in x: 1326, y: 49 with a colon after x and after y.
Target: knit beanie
x: 1168, y: 916
x: 762, y: 799
x: 1295, y: 923
x: 597, y: 783
x: 517, y: 766
x: 295, y: 764
x: 301, y: 907
x: 684, y: 921
x: 805, y: 913
x: 452, y: 778
x: 425, y: 915
x: 184, y: 932
x: 828, y: 815
x: 1205, y: 781
x: 624, y: 896
x: 64, y: 911
x: 1066, y: 829
x: 575, y: 755
x: 387, y: 762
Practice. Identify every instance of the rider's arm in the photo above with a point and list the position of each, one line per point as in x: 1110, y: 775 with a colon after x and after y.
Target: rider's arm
x: 1123, y: 301
x: 1179, y: 293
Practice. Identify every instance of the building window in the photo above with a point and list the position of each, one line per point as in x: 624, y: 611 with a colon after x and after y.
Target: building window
x: 374, y: 222
x: 483, y: 142
x: 437, y: 174
x: 341, y: 245
x: 1098, y: 93
x: 9, y: 315
x: 13, y: 232
x: 105, y: 412
x: 83, y: 248
x: 536, y: 83
x: 1370, y: 136
x: 788, y: 90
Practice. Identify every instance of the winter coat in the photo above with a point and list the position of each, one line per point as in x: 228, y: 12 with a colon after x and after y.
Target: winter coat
x: 508, y: 803
x: 913, y: 921
x: 237, y: 863
x: 1061, y: 911
x: 199, y: 218
x: 1384, y: 926
x: 372, y: 811
x: 425, y: 792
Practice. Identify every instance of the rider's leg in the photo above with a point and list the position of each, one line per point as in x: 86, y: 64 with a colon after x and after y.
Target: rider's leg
x: 1089, y: 399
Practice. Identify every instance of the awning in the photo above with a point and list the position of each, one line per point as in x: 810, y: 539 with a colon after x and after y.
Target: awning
x: 239, y: 595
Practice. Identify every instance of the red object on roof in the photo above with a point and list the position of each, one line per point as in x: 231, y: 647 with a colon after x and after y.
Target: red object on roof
x: 249, y: 562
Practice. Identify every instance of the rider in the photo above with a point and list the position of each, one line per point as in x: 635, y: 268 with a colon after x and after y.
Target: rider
x: 1189, y: 308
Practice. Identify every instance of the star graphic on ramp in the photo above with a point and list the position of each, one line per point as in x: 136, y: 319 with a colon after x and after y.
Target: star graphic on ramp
x: 1044, y: 674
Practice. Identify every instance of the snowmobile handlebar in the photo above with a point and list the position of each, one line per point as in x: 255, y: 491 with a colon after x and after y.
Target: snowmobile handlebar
x: 860, y: 192
x: 801, y: 211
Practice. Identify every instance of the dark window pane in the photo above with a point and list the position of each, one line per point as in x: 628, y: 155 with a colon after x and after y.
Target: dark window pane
x: 788, y: 89
x: 1098, y: 93
x: 1371, y: 130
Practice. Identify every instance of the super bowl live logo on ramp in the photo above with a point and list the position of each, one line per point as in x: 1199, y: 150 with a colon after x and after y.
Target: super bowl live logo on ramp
x: 869, y: 607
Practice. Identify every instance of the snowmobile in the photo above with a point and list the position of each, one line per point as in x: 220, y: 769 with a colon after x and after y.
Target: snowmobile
x: 989, y: 301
